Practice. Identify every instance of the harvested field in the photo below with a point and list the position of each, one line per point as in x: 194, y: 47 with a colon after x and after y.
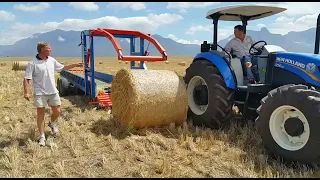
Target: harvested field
x: 93, y: 144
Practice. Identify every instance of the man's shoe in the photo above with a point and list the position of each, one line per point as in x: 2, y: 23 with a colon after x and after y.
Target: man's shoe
x: 252, y: 81
x: 54, y: 128
x: 42, y: 141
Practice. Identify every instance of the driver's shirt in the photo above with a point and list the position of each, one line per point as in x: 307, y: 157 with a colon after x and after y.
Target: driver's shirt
x: 238, y: 47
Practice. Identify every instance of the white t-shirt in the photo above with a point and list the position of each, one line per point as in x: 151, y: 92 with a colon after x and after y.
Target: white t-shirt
x: 238, y: 47
x: 41, y: 72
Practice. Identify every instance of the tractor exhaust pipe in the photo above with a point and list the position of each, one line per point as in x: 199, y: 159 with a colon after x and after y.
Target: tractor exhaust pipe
x: 316, y: 48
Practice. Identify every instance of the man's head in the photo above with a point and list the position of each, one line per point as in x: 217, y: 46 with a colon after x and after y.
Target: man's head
x: 238, y: 31
x: 44, y: 49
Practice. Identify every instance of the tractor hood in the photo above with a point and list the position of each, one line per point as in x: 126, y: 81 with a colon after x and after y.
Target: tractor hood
x: 253, y: 12
x: 304, y: 65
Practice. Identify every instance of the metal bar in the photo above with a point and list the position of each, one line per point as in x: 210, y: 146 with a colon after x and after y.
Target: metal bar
x: 132, y: 51
x: 143, y: 58
x: 85, y: 54
x: 316, y: 47
x: 139, y: 34
x: 93, y: 84
x: 111, y: 38
x: 215, y: 34
x: 141, y: 52
x: 104, y: 77
x: 117, y: 36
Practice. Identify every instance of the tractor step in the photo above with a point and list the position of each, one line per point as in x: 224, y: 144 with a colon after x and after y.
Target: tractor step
x: 255, y: 88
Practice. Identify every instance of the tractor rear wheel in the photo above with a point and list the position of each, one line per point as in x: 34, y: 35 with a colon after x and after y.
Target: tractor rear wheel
x: 289, y: 123
x: 210, y: 100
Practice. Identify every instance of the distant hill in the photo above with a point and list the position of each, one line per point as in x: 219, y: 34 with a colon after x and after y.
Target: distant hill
x: 65, y: 44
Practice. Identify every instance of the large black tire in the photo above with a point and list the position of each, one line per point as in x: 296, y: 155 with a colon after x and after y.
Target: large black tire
x: 306, y: 101
x: 64, y: 87
x: 220, y: 97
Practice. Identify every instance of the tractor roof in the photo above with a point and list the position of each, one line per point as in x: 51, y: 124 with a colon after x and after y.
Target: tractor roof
x: 231, y: 13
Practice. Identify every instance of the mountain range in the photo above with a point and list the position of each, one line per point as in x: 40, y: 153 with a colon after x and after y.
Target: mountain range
x: 65, y: 44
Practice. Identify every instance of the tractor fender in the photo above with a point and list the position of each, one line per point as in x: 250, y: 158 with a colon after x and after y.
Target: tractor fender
x: 221, y: 64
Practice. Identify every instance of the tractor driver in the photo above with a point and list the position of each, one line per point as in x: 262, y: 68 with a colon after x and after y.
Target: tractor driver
x: 239, y: 46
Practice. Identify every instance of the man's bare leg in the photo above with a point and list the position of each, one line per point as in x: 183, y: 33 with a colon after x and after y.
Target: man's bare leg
x: 54, y: 116
x: 40, y: 123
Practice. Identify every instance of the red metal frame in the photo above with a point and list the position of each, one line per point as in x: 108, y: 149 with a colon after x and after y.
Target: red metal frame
x: 103, y: 100
x: 108, y: 33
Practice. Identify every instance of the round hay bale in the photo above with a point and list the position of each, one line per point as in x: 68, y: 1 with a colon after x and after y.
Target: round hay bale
x: 145, y: 98
x: 120, y: 62
x: 100, y: 62
x: 19, y: 65
x: 167, y: 62
x: 3, y: 64
x: 182, y: 63
x: 126, y: 62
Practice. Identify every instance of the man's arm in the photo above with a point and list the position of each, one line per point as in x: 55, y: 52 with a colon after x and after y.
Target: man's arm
x: 72, y: 66
x: 59, y: 67
x: 27, y: 80
x: 228, y: 46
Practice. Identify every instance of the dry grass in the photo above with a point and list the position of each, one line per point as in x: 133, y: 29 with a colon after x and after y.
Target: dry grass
x: 92, y: 144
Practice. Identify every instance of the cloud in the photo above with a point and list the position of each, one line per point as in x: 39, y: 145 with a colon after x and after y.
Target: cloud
x: 86, y: 6
x: 187, y: 5
x: 182, y: 6
x: 296, y: 8
x: 223, y: 32
x: 199, y: 28
x: 39, y: 8
x: 183, y: 11
x: 183, y: 41
x: 136, y: 6
x: 143, y: 23
x: 60, y: 38
x: 6, y: 16
x: 283, y: 25
x: 300, y: 8
x: 165, y: 18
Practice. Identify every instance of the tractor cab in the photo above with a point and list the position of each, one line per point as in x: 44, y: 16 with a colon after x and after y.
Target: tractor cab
x: 259, y: 51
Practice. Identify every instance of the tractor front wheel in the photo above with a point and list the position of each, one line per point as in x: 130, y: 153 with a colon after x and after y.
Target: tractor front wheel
x: 289, y: 123
x: 210, y: 101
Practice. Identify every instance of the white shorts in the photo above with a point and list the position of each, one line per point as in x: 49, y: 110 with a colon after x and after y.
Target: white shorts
x: 45, y: 100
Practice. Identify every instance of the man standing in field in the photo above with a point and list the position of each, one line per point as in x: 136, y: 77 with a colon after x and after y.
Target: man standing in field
x: 41, y: 71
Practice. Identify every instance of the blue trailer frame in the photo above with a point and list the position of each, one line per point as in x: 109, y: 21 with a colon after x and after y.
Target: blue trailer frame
x: 88, y: 83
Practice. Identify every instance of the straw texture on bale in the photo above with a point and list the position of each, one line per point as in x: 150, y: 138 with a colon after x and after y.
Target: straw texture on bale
x: 145, y: 98
x: 19, y: 65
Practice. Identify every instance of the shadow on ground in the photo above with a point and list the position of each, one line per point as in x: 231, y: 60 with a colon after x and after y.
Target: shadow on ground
x: 80, y: 101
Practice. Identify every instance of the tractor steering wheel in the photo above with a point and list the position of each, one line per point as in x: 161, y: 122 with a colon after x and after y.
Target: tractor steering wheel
x: 257, y: 51
x: 229, y: 55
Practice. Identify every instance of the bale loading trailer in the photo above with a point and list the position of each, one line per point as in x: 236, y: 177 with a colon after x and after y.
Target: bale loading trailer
x: 89, y: 80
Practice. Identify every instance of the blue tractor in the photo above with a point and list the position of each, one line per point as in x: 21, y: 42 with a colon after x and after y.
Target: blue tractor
x: 285, y: 105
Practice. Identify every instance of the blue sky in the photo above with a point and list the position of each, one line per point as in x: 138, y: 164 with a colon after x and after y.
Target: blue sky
x: 183, y: 22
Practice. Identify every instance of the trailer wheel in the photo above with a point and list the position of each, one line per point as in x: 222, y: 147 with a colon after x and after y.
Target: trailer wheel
x: 64, y: 87
x: 58, y: 84
x: 289, y: 123
x: 210, y: 101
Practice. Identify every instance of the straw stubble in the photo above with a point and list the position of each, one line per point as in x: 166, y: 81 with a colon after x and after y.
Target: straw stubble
x: 145, y: 98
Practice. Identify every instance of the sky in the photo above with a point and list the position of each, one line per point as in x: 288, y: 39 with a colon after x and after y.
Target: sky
x: 184, y: 22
